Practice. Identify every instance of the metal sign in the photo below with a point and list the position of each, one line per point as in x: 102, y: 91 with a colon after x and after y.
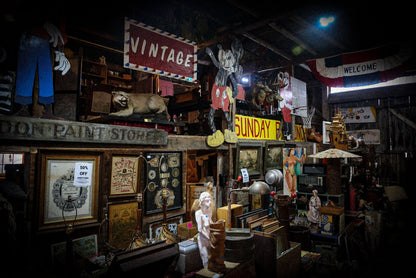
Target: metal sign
x: 155, y: 51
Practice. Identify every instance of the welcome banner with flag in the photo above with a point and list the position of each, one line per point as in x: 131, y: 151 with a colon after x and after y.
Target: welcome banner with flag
x: 361, y: 68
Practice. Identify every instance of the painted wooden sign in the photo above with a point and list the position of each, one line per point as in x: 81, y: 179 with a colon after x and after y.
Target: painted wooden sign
x: 155, y: 51
x: 25, y: 128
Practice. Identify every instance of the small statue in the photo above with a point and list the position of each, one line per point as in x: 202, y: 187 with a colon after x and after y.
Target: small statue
x: 203, y: 218
x: 195, y: 206
x: 314, y: 216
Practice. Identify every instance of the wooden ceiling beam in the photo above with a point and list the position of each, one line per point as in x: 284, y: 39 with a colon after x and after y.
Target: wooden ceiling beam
x: 268, y: 46
x: 323, y: 35
x: 292, y: 37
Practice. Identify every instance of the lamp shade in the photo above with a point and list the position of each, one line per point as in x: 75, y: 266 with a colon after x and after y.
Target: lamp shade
x: 259, y: 187
x: 334, y: 153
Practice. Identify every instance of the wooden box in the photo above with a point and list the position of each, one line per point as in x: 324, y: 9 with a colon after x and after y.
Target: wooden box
x: 187, y: 230
x: 288, y: 264
x: 272, y: 263
x: 236, y: 210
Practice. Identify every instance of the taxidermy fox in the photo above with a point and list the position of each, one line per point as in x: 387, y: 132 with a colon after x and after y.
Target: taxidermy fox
x: 127, y: 104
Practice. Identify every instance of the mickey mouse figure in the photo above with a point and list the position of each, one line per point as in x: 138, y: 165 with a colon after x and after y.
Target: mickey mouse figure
x: 221, y: 94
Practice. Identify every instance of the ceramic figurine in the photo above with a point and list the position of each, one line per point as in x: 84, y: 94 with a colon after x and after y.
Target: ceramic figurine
x: 314, y: 216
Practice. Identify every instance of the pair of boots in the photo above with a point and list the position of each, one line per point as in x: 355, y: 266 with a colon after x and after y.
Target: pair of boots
x: 46, y: 113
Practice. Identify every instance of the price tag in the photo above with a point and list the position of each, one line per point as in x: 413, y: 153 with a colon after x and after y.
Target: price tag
x: 83, y: 174
x: 245, y: 175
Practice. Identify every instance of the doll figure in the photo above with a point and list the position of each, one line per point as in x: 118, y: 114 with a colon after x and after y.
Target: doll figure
x: 203, y: 218
x: 314, y: 216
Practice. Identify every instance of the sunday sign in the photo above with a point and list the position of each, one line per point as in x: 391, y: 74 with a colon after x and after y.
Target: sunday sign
x: 156, y: 51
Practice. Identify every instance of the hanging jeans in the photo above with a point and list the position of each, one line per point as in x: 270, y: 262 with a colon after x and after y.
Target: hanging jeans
x: 34, y: 53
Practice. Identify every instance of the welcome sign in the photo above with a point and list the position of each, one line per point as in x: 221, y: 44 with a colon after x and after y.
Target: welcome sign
x: 155, y: 51
x: 361, y: 68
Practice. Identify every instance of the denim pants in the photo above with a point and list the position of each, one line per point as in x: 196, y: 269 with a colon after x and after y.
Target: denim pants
x: 34, y: 53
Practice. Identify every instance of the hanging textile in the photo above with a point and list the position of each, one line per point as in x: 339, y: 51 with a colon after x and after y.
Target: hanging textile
x: 166, y: 87
x: 361, y: 68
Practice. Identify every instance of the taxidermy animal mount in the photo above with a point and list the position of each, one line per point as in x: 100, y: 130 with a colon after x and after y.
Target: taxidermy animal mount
x: 143, y: 104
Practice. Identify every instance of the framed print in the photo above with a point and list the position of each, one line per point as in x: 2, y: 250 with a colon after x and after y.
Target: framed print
x: 164, y: 170
x: 156, y: 227
x: 85, y: 247
x: 293, y: 160
x: 273, y: 157
x: 249, y: 156
x: 69, y: 190
x: 124, y: 173
x: 325, y: 131
x: 122, y: 219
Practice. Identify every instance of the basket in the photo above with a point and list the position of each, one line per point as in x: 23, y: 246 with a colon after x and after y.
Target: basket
x: 334, y: 210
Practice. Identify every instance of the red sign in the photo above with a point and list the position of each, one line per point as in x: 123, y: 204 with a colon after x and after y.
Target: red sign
x: 155, y: 51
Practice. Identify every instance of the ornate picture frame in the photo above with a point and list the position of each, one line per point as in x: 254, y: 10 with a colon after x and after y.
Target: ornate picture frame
x: 124, y: 175
x: 164, y: 170
x: 249, y: 156
x: 58, y: 174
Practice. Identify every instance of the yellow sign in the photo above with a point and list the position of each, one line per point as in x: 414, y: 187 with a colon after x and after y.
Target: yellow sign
x: 265, y: 129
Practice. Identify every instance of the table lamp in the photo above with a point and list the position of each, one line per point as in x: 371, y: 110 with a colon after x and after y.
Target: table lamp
x: 258, y: 187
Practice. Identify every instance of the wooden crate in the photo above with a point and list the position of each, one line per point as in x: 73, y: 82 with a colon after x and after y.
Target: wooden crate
x: 222, y: 213
x: 187, y: 230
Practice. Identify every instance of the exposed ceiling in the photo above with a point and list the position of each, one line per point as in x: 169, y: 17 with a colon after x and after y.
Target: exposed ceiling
x: 273, y: 33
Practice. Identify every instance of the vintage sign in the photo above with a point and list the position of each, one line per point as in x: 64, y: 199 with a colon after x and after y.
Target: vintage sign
x: 155, y: 51
x: 353, y: 115
x: 361, y: 68
x: 25, y: 128
x: 265, y: 129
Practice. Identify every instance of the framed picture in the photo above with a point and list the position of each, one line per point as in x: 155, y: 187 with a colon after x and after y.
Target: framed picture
x: 164, y: 170
x: 156, y: 227
x: 124, y: 173
x: 293, y: 160
x: 249, y: 156
x: 325, y: 132
x: 69, y: 190
x: 122, y: 219
x: 86, y: 247
x: 273, y: 157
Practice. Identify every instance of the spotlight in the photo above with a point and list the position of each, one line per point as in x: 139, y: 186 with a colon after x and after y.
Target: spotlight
x: 326, y: 21
x: 245, y: 80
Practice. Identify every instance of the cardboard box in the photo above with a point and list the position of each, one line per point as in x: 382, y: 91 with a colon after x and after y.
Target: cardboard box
x: 332, y: 224
x: 222, y: 213
x: 187, y: 230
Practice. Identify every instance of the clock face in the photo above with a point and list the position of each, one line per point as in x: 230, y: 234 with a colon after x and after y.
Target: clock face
x: 163, y: 172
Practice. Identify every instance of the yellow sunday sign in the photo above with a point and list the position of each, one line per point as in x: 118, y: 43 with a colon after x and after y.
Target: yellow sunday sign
x: 265, y: 129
